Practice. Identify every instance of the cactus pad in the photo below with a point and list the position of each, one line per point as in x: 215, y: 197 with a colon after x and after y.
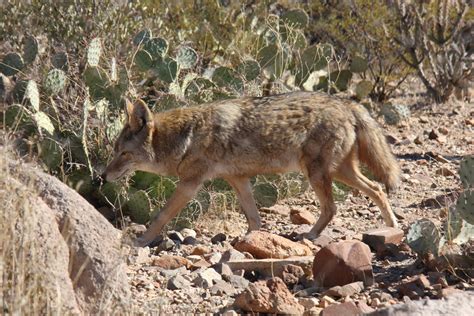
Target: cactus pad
x: 143, y: 60
x: 226, y: 77
x: 60, y: 61
x: 80, y: 181
x: 166, y: 69
x: 162, y: 188
x: 43, y: 122
x: 186, y: 57
x: 273, y: 60
x: 249, y: 69
x: 358, y: 64
x: 97, y: 81
x: 30, y: 49
x: 111, y: 192
x: 32, y: 94
x: 55, y: 81
x: 312, y: 59
x: 157, y: 47
x: 296, y: 18
x: 465, y: 206
x: 424, y: 237
x: 51, y: 153
x: 142, y: 37
x: 93, y: 52
x: 266, y: 194
x: 139, y: 207
x: 393, y: 114
x: 11, y: 64
x: 466, y: 172
x: 363, y: 88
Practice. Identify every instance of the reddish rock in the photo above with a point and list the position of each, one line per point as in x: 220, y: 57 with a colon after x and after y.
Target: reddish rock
x: 379, y: 237
x: 270, y: 296
x: 345, y: 290
x: 342, y: 263
x: 171, y: 262
x: 346, y: 309
x: 415, y: 287
x: 264, y: 245
x: 200, y: 250
x: 300, y: 217
x: 292, y: 274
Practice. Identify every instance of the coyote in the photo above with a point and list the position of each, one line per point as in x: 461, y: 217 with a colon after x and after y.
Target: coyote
x: 323, y: 136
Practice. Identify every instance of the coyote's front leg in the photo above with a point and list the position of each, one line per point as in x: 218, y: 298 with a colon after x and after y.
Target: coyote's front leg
x: 184, y: 193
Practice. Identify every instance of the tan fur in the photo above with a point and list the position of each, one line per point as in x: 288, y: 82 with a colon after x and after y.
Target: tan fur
x: 322, y: 136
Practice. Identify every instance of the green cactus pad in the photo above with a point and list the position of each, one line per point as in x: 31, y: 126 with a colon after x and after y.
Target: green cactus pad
x: 50, y: 153
x: 363, y: 88
x: 312, y: 59
x: 273, y: 59
x: 5, y: 86
x: 97, y: 81
x: 60, y: 61
x: 16, y: 114
x: 30, y: 49
x: 358, y: 64
x: 456, y: 229
x: 266, y: 194
x: 249, y: 69
x: 465, y: 206
x: 11, y: 64
x: 166, y: 69
x: 113, y: 129
x: 111, y: 192
x: 114, y: 95
x: 43, y: 122
x: 162, y: 188
x: 394, y: 113
x: 227, y: 77
x: 157, y: 47
x: 296, y: 18
x: 55, y: 81
x: 424, y: 237
x: 93, y: 52
x: 186, y: 57
x: 341, y: 79
x: 19, y: 90
x: 143, y: 60
x: 139, y: 207
x: 80, y: 181
x: 32, y: 94
x: 123, y: 80
x: 142, y: 37
x: 197, y: 85
x: 466, y: 172
x: 142, y: 180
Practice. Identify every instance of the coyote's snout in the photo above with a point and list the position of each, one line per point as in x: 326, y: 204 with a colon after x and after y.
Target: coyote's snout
x: 323, y: 136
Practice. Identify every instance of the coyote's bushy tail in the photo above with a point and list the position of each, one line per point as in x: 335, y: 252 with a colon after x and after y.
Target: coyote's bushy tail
x: 374, y: 151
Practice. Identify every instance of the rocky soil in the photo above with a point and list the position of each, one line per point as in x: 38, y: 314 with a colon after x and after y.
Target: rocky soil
x: 213, y: 268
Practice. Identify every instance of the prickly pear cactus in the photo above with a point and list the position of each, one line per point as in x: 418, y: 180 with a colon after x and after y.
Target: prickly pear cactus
x: 142, y: 37
x: 142, y: 180
x: 157, y: 47
x: 111, y: 192
x: 11, y: 64
x: 249, y: 69
x: 313, y: 58
x: 341, y: 79
x: 32, y: 94
x: 296, y: 18
x: 60, y: 61
x: 363, y: 88
x: 55, y: 81
x: 162, y: 188
x: 186, y: 57
x: 97, y: 81
x: 43, y: 122
x: 30, y: 49
x: 94, y: 51
x: 456, y: 229
x: 139, y: 207
x: 166, y: 69
x: 50, y: 153
x: 80, y: 181
x: 273, y: 60
x: 358, y: 64
x: 394, y: 113
x: 143, y: 60
x: 266, y: 194
x: 227, y: 77
x: 466, y: 172
x: 424, y: 237
x: 465, y: 206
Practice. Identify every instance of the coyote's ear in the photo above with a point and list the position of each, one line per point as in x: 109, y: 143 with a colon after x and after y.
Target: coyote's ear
x: 138, y: 115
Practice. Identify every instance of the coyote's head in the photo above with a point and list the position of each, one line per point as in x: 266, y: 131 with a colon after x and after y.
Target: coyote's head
x: 133, y: 147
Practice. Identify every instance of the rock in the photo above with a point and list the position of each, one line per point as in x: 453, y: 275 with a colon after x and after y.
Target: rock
x: 189, y: 240
x: 443, y: 130
x: 270, y: 296
x: 300, y: 216
x: 205, y: 278
x: 292, y: 274
x: 232, y: 255
x: 213, y: 258
x: 171, y: 273
x: 346, y: 309
x: 166, y: 244
x: 202, y: 263
x: 415, y: 287
x: 391, y: 139
x: 443, y: 171
x: 168, y: 262
x: 418, y: 140
x: 326, y: 301
x: 139, y: 256
x: 345, y: 290
x: 175, y: 236
x: 322, y: 241
x: 194, y: 258
x: 433, y: 134
x: 264, y: 245
x: 230, y: 312
x: 377, y: 238
x: 178, y: 282
x: 220, y: 237
x: 308, y: 302
x: 223, y: 269
x: 271, y: 267
x: 456, y: 304
x: 342, y: 263
x: 79, y: 251
x: 187, y: 232
x: 283, y: 210
x: 221, y: 288
x: 237, y: 281
x: 200, y: 250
